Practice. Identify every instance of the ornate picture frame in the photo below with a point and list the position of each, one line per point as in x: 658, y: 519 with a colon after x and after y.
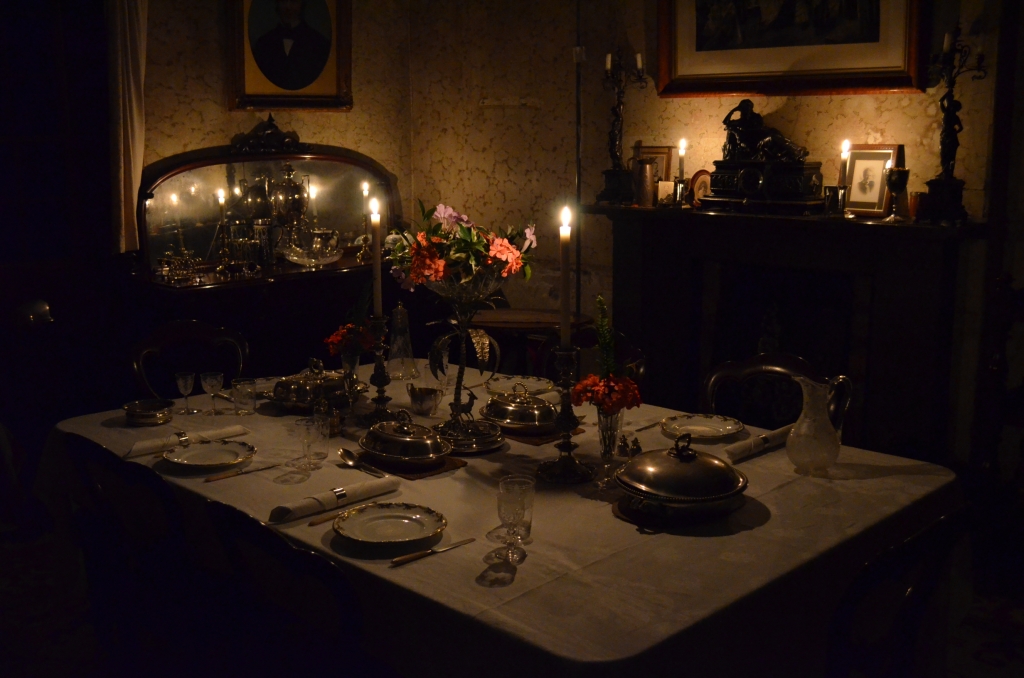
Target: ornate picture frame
x: 663, y: 154
x: 291, y: 54
x: 704, y: 50
x: 869, y: 196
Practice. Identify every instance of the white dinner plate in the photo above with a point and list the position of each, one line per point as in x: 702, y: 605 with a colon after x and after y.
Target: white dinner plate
x: 504, y: 384
x: 210, y: 453
x: 700, y: 426
x: 389, y: 523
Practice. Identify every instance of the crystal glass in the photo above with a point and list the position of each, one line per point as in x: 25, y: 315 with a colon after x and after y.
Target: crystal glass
x: 309, y: 434
x: 243, y: 392
x: 515, y: 509
x: 896, y: 179
x: 212, y: 382
x: 322, y: 423
x: 608, y: 428
x: 186, y: 382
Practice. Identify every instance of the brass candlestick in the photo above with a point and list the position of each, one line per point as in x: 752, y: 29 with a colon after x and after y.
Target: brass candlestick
x: 380, y: 377
x: 365, y: 255
x: 566, y: 469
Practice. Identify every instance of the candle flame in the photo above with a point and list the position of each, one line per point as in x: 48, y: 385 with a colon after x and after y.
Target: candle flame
x: 374, y: 206
x: 366, y: 188
x: 174, y: 198
x: 312, y: 192
x: 220, y: 195
x: 682, y: 147
x: 566, y: 216
x: 192, y: 189
x: 846, y: 145
x: 238, y: 191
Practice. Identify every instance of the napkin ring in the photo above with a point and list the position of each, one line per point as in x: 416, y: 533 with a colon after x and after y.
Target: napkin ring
x: 182, y: 438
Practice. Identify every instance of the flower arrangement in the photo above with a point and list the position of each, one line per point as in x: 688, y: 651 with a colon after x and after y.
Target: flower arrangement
x: 609, y: 392
x: 350, y: 338
x: 451, y: 247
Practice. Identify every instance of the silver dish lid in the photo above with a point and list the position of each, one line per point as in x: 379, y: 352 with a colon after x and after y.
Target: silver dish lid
x: 680, y: 475
x: 404, y: 440
x: 518, y: 408
x: 142, y: 409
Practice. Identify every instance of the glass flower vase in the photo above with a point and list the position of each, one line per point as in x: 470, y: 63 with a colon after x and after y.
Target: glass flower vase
x: 608, y: 428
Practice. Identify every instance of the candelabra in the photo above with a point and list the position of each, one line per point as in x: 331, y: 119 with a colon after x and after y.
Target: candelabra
x: 618, y: 181
x: 945, y: 192
x: 380, y: 377
x: 566, y: 469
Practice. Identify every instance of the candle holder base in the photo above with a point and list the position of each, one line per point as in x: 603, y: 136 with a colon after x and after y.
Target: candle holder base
x: 379, y: 378
x: 566, y: 469
x: 470, y: 436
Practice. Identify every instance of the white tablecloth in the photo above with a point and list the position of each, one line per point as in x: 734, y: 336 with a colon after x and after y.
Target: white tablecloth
x: 596, y: 595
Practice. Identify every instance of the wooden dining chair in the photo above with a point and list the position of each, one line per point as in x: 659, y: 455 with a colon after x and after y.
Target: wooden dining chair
x: 760, y: 391
x: 143, y: 583
x: 879, y: 628
x: 298, y: 598
x: 186, y: 346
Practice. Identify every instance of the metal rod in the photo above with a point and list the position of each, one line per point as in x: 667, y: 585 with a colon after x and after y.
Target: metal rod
x: 579, y: 56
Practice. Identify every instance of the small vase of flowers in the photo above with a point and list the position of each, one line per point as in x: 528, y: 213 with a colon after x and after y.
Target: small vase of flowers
x: 610, y: 392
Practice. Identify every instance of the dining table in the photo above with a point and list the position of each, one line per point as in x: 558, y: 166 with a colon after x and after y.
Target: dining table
x: 596, y: 595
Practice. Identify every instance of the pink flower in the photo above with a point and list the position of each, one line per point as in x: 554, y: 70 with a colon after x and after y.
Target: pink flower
x: 502, y: 249
x: 531, y: 239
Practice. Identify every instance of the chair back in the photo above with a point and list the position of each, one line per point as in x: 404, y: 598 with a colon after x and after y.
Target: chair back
x: 299, y: 596
x: 186, y: 346
x: 879, y: 627
x: 760, y: 390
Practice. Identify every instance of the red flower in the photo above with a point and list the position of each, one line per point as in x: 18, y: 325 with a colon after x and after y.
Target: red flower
x: 349, y: 339
x: 610, y: 395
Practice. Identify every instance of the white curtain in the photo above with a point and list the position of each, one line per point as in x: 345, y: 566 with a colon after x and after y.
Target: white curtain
x: 126, y: 21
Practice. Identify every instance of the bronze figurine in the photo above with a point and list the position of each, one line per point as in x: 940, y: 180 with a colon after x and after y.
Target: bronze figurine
x: 747, y: 138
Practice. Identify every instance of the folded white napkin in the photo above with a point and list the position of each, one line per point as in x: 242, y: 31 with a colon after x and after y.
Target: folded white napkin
x: 325, y: 501
x: 153, y: 445
x: 754, y: 444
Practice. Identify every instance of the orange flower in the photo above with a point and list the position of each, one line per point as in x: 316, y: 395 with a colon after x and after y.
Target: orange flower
x: 609, y: 395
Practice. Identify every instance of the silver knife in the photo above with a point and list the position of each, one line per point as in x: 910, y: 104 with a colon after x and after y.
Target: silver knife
x: 402, y: 560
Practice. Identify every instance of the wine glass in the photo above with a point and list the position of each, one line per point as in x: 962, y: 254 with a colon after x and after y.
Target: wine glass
x: 515, y: 509
x: 186, y: 382
x: 896, y: 181
x: 322, y: 422
x: 212, y: 383
x: 309, y: 433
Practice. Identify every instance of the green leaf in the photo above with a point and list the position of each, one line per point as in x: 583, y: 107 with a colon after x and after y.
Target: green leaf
x: 527, y: 271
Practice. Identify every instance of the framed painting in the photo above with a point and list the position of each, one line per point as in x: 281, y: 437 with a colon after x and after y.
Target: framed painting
x: 732, y: 47
x: 865, y: 175
x: 292, y: 54
x: 664, y: 169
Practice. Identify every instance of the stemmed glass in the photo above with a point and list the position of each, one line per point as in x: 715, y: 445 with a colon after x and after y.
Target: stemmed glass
x: 309, y: 433
x: 213, y: 382
x: 896, y: 179
x: 515, y: 509
x: 322, y: 422
x: 186, y: 381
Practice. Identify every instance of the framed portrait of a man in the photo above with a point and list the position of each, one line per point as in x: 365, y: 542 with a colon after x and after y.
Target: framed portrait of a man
x: 865, y: 175
x: 292, y: 54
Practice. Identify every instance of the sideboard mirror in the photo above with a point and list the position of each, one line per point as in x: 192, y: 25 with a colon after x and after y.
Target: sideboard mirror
x: 265, y: 205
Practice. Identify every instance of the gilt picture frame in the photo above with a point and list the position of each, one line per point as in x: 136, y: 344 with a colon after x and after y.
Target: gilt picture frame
x: 722, y: 47
x: 291, y: 54
x: 865, y: 175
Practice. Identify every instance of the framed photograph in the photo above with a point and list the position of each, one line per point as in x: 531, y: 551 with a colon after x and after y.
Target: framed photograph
x: 292, y: 54
x: 865, y: 176
x: 666, y: 169
x: 718, y: 47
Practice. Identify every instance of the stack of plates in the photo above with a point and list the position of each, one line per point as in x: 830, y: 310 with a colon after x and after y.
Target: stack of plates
x: 148, y: 412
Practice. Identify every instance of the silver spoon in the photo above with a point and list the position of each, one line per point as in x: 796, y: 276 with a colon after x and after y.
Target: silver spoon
x: 350, y: 459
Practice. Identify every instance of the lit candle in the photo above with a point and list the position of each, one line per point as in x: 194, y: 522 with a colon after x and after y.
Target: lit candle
x: 564, y: 233
x: 174, y: 209
x: 888, y: 164
x: 238, y: 191
x: 844, y: 157
x: 312, y: 199
x: 639, y: 62
x: 220, y: 199
x: 378, y: 303
x: 608, y: 62
x: 366, y: 192
x: 682, y: 156
x: 947, y: 42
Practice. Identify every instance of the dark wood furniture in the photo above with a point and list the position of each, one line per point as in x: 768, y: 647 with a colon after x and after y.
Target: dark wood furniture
x: 521, y: 332
x: 865, y: 299
x: 187, y: 346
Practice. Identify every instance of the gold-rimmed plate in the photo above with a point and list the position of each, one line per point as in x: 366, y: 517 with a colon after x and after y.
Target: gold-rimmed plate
x: 389, y: 523
x: 210, y: 453
x: 700, y: 426
x: 505, y: 383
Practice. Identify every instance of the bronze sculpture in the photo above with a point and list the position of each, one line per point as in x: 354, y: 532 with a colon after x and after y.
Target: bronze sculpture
x: 748, y: 138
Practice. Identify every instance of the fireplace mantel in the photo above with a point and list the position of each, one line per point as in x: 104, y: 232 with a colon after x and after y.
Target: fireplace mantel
x: 871, y: 300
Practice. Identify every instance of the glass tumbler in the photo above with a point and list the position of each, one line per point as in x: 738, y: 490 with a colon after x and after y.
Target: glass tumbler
x: 243, y: 392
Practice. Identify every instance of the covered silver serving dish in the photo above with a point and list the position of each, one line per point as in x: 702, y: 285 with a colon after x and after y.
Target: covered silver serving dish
x: 517, y: 411
x: 681, y: 482
x: 151, y: 412
x: 404, y: 442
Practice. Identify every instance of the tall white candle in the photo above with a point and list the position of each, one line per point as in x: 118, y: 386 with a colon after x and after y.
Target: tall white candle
x: 639, y: 62
x: 682, y: 157
x: 220, y: 199
x: 947, y: 42
x: 844, y: 158
x: 608, y: 62
x: 564, y: 233
x: 312, y: 199
x: 378, y: 303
